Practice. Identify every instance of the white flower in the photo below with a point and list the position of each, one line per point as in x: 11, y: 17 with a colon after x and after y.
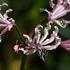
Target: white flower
x: 60, y: 9
x: 41, y: 43
x: 5, y: 23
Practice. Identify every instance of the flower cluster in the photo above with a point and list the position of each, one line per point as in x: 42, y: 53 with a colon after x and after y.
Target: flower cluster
x: 40, y: 43
x: 5, y: 23
x: 60, y: 9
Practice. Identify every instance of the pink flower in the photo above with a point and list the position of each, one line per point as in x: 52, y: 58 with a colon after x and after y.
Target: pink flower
x: 6, y: 23
x: 59, y: 10
x: 41, y: 43
x: 66, y: 45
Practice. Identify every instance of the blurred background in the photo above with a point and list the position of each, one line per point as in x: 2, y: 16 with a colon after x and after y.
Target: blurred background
x: 26, y: 14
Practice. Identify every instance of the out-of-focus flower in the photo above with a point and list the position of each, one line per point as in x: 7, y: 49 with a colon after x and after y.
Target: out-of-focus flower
x: 5, y: 23
x: 66, y: 45
x: 41, y: 43
x: 60, y: 9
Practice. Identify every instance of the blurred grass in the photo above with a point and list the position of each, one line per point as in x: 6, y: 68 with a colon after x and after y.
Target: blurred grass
x: 26, y: 14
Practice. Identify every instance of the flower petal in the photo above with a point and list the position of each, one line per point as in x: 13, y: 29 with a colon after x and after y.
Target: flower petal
x: 4, y: 4
x: 52, y: 47
x: 66, y: 45
x: 37, y: 33
x: 42, y: 10
x: 27, y: 52
x: 16, y: 48
x: 3, y: 25
x: 51, y: 3
x: 28, y: 38
x: 5, y: 15
x: 51, y: 39
x: 45, y: 32
x: 29, y: 41
x: 4, y: 30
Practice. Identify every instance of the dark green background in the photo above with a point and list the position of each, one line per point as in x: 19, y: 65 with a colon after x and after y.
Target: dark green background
x: 26, y: 14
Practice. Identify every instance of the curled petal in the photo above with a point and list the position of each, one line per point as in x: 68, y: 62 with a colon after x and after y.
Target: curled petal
x: 52, y: 47
x: 27, y: 52
x: 37, y: 33
x: 55, y: 32
x: 4, y: 4
x: 28, y: 38
x: 51, y: 39
x: 5, y: 15
x: 57, y: 41
x: 45, y: 33
x: 42, y: 10
x: 37, y: 29
x: 37, y: 37
x: 48, y: 25
x: 29, y: 41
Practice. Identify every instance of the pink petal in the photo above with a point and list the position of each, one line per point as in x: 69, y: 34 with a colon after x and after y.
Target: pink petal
x: 16, y: 48
x: 27, y: 52
x: 66, y: 44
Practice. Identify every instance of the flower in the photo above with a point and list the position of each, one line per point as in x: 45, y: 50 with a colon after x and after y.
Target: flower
x: 40, y: 43
x: 6, y: 23
x: 60, y: 9
x: 66, y: 45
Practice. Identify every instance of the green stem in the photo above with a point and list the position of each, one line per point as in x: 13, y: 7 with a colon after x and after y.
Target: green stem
x: 18, y: 32
x: 23, y: 62
x: 24, y: 56
x: 21, y: 37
